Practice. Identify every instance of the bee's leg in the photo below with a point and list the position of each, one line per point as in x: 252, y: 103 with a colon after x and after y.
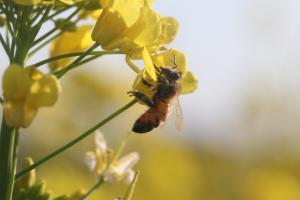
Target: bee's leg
x: 140, y: 96
x: 157, y: 70
x: 148, y: 84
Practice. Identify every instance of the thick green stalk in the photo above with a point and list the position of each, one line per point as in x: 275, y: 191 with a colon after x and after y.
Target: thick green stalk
x: 9, y: 135
x: 75, y: 141
x: 7, y: 161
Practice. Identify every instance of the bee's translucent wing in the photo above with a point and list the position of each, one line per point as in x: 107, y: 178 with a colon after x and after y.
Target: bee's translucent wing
x: 179, y: 116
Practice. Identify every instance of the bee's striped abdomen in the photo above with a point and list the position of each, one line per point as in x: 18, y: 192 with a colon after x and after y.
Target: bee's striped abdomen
x: 152, y: 118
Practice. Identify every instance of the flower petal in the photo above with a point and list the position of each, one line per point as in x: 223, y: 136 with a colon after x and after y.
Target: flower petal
x: 147, y: 29
x: 169, y: 30
x: 116, y: 17
x: 189, y: 83
x: 70, y: 42
x: 18, y: 114
x: 44, y: 90
x: 100, y: 142
x: 149, y: 67
x: 129, y: 176
x: 166, y: 59
x: 129, y: 10
x: 108, y: 30
x: 118, y: 170
x: 90, y: 160
x: 16, y: 82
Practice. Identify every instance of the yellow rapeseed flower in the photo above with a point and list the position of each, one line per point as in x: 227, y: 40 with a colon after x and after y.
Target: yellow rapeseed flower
x: 116, y: 17
x: 68, y: 42
x: 165, y: 58
x: 131, y: 25
x: 24, y: 91
x: 169, y: 28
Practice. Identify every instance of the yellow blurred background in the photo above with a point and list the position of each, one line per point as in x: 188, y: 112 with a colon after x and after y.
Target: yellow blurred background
x: 172, y: 165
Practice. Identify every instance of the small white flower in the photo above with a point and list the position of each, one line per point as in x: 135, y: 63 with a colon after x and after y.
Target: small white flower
x: 90, y: 160
x: 100, y: 142
x: 129, y: 176
x: 122, y: 169
x: 99, y: 160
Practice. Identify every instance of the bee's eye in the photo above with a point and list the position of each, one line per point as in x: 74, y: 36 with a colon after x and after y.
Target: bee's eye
x: 175, y: 76
x: 171, y: 74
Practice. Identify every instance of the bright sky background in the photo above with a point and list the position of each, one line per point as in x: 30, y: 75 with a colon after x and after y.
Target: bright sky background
x: 237, y: 47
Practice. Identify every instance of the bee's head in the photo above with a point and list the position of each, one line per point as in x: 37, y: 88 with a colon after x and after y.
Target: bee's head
x: 170, y: 73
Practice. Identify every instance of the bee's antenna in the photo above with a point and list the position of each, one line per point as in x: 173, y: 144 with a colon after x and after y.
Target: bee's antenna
x: 174, y: 62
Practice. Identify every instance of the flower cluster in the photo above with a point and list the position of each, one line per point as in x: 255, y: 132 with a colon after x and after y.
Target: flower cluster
x: 131, y: 26
x: 141, y: 33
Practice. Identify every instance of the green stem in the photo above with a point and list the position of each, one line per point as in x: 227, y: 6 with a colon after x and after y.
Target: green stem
x: 75, y: 141
x: 8, y: 16
x: 38, y: 13
x: 73, y: 54
x: 58, y: 12
x: 43, y: 37
x: 50, y: 39
x: 7, y: 161
x: 5, y: 47
x: 130, y: 190
x: 61, y: 72
x: 43, y: 44
x: 93, y: 189
x: 86, y: 61
x: 132, y: 65
x: 24, y: 35
x: 120, y: 148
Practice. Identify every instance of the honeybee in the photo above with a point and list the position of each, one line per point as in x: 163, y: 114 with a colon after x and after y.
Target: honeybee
x: 166, y: 89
